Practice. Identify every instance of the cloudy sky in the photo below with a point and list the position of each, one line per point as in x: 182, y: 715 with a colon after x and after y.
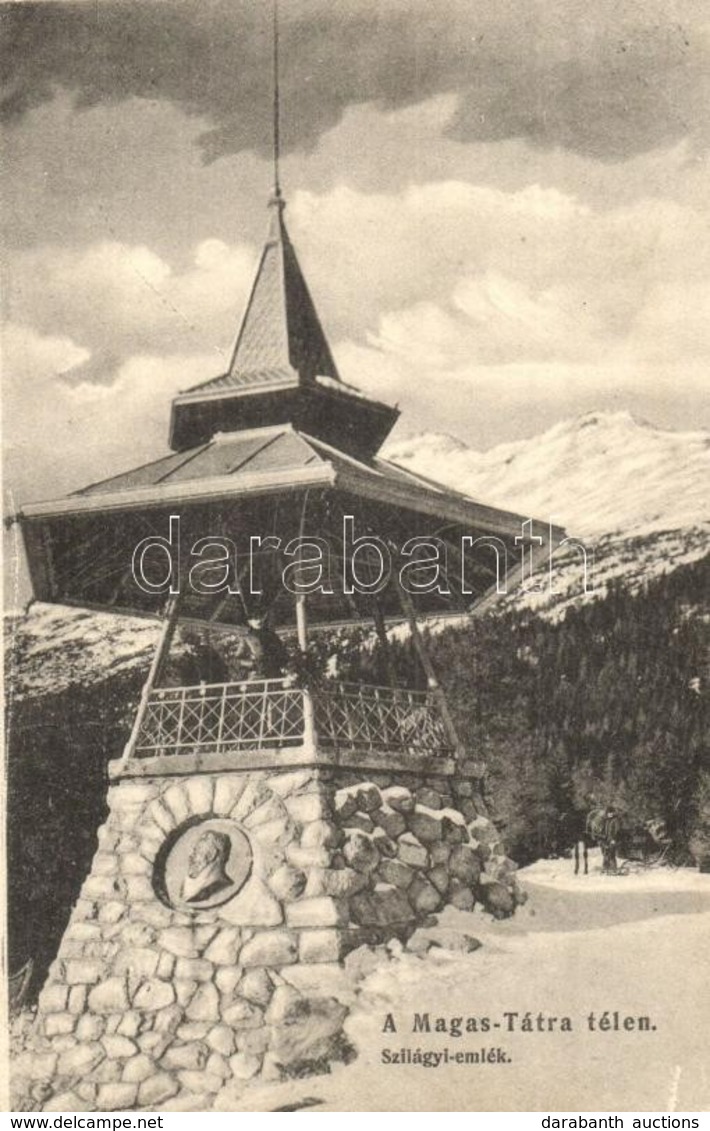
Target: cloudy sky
x: 501, y: 207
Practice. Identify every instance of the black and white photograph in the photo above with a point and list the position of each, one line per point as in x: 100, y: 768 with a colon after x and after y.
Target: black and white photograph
x: 356, y: 465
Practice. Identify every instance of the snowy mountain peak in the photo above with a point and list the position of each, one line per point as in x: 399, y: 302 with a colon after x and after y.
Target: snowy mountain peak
x: 622, y: 418
x: 599, y: 473
x: 441, y: 443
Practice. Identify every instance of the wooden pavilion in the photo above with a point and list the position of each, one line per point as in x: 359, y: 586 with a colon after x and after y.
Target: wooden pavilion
x: 277, y: 448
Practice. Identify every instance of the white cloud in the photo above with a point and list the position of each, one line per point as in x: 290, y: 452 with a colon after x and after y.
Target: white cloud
x: 122, y: 299
x: 422, y: 244
x: 100, y: 339
x: 60, y: 435
x: 480, y: 302
x: 24, y: 351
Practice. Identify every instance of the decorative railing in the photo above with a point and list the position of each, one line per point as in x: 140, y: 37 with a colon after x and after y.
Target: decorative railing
x: 378, y: 718
x: 268, y: 714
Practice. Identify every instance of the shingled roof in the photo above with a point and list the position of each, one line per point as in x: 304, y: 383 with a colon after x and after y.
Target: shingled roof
x: 280, y: 337
x: 282, y: 369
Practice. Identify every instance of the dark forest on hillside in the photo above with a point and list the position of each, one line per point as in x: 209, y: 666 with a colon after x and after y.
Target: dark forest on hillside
x: 608, y: 704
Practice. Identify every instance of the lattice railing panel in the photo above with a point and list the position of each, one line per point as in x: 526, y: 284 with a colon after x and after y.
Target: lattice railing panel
x: 379, y: 718
x: 264, y: 714
x: 221, y: 717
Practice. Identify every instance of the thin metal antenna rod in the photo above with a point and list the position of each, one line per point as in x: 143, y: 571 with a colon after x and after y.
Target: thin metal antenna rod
x: 277, y: 138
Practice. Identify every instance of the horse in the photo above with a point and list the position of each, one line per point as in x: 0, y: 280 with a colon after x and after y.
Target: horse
x: 605, y: 827
x: 582, y: 829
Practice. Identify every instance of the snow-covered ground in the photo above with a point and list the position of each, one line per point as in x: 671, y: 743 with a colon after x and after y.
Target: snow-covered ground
x: 52, y: 647
x: 612, y: 559
x: 638, y: 944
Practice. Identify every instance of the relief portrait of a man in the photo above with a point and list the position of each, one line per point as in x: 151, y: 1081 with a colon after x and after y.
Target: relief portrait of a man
x: 207, y: 867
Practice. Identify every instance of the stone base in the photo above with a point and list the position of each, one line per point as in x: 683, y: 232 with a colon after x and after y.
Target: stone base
x: 149, y: 997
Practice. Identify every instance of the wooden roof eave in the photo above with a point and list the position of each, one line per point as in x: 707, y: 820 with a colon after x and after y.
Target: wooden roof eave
x: 229, y: 392
x: 166, y: 494
x: 236, y: 392
x: 348, y: 396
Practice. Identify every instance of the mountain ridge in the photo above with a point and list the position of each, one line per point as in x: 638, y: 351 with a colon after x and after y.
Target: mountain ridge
x: 597, y: 474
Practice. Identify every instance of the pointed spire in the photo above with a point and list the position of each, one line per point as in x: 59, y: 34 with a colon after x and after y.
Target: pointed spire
x: 281, y: 337
x: 281, y: 368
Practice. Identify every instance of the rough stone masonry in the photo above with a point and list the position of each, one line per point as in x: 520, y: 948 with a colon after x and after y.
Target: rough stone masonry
x: 146, y: 1002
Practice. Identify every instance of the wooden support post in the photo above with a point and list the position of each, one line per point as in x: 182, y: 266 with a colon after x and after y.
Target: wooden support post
x: 302, y: 622
x: 156, y: 668
x: 301, y: 615
x: 309, y: 726
x: 381, y: 629
x: 431, y: 677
